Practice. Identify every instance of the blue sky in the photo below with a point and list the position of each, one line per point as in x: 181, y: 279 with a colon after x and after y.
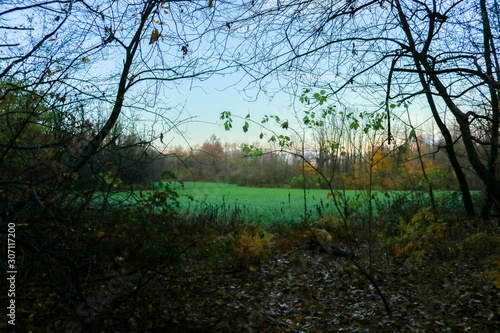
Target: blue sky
x: 204, y: 101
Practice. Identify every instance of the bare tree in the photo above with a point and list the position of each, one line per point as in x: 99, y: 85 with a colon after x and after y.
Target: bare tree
x: 111, y: 55
x: 70, y: 72
x: 375, y: 53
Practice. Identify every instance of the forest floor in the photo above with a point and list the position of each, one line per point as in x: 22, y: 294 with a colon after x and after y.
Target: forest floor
x: 297, y: 289
x: 156, y: 274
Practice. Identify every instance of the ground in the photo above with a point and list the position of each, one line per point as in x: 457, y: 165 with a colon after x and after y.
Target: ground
x: 299, y: 290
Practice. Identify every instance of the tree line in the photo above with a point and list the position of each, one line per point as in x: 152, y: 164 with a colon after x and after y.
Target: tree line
x: 396, y: 167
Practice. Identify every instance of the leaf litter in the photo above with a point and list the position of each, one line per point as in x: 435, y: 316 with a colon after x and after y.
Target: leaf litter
x: 299, y: 290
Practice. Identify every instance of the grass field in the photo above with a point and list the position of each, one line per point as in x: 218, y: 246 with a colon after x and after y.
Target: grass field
x: 270, y: 205
x: 261, y: 204
x: 266, y: 205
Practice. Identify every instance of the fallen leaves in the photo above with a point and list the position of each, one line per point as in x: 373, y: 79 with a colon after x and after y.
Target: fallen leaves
x: 297, y: 290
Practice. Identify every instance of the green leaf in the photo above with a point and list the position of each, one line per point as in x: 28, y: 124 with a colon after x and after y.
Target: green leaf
x: 412, y: 134
x: 246, y: 149
x: 225, y: 115
x: 245, y: 127
x: 261, y: 135
x: 284, y: 125
x: 257, y: 152
x: 248, y: 116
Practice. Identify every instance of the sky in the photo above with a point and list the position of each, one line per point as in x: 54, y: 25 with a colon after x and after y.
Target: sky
x: 204, y: 101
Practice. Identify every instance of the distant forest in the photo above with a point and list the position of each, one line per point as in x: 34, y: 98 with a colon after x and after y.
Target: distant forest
x: 396, y: 167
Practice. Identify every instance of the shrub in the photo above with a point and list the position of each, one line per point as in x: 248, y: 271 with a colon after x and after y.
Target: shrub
x: 243, y: 249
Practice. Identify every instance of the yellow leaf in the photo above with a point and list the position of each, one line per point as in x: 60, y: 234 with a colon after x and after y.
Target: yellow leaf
x: 154, y: 36
x: 97, y: 9
x: 210, y: 3
x: 397, y: 250
x: 494, y: 276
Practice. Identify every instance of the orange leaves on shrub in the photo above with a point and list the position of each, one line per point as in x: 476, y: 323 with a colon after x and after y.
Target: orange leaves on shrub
x: 285, y: 244
x: 400, y: 250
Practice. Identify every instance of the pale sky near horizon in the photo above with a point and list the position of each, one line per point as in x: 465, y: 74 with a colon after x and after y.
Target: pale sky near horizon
x: 204, y: 101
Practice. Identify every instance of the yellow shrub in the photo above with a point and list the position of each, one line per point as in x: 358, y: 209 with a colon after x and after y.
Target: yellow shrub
x: 436, y: 230
x: 423, y: 217
x: 494, y: 273
x: 241, y: 250
x: 253, y: 245
x: 494, y: 276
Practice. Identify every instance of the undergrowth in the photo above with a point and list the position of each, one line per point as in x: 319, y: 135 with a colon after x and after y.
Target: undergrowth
x: 89, y: 269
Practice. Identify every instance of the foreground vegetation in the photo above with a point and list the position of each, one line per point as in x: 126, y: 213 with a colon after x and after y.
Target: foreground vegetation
x: 148, y: 267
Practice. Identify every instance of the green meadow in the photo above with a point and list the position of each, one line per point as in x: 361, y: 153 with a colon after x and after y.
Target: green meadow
x: 270, y: 205
x: 258, y: 204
